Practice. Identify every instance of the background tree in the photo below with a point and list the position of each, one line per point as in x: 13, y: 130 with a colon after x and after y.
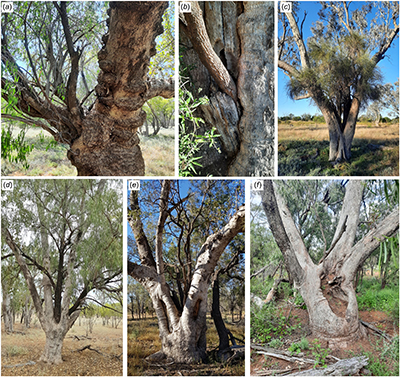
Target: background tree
x: 48, y: 55
x: 181, y: 229
x: 228, y: 48
x: 337, y: 67
x: 326, y: 282
x: 65, y: 237
x: 389, y: 99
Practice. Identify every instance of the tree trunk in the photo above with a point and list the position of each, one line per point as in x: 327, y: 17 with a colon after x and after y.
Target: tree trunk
x: 7, y: 312
x: 109, y: 144
x: 234, y: 42
x: 217, y: 316
x: 53, y: 348
x: 327, y: 287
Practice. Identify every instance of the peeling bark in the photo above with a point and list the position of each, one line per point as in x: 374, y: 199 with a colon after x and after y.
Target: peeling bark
x: 234, y: 43
x: 104, y: 140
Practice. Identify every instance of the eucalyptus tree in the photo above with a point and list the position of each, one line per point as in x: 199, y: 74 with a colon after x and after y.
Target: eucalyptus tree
x: 337, y: 66
x: 65, y: 236
x: 326, y: 282
x: 48, y: 54
x: 228, y: 49
x: 181, y: 229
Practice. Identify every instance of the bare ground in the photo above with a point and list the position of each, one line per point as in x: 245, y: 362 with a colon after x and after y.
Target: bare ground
x: 143, y: 340
x: 27, y: 346
x: 262, y: 365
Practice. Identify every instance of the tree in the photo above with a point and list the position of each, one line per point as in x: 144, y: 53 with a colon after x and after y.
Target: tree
x: 194, y: 225
x: 47, y: 49
x: 65, y: 237
x: 337, y: 67
x: 228, y: 48
x: 326, y: 285
x: 389, y: 99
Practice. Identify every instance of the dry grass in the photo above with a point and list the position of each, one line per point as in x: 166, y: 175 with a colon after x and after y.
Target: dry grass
x: 28, y: 345
x: 305, y: 131
x: 158, y: 154
x: 144, y: 340
x: 375, y: 150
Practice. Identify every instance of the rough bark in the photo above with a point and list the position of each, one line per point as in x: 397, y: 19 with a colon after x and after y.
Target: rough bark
x: 7, y: 313
x: 230, y: 46
x: 183, y: 335
x: 104, y: 140
x: 329, y: 283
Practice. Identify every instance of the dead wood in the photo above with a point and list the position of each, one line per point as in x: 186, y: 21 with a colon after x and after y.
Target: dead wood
x: 20, y: 365
x: 285, y: 355
x: 373, y: 328
x: 89, y: 347
x: 346, y: 367
x: 275, y: 372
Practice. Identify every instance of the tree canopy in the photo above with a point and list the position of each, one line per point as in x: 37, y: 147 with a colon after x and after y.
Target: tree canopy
x: 337, y: 65
x: 68, y: 233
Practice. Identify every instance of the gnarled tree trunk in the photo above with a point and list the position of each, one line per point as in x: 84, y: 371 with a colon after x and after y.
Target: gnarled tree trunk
x: 183, y: 334
x: 327, y: 287
x: 103, y: 141
x: 230, y: 47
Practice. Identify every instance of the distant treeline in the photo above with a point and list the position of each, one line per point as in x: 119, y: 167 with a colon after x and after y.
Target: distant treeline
x: 320, y: 119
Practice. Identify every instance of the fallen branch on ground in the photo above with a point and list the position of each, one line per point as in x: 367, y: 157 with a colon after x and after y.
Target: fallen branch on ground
x: 346, y: 367
x: 19, y: 365
x: 89, y: 347
x: 373, y: 328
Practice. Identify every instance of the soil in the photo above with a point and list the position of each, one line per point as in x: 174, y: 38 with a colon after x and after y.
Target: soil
x: 26, y: 345
x: 263, y: 365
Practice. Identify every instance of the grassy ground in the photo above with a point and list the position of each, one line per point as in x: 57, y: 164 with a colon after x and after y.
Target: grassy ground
x: 158, y: 153
x: 27, y: 345
x: 144, y: 340
x: 286, y: 327
x: 304, y: 150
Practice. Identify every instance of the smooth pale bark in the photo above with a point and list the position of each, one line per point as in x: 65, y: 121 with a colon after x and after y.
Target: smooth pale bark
x: 183, y: 336
x: 330, y: 282
x: 230, y: 47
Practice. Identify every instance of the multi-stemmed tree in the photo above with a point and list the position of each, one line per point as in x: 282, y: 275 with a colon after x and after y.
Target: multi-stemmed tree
x: 337, y: 66
x: 327, y: 283
x: 180, y: 235
x: 66, y: 239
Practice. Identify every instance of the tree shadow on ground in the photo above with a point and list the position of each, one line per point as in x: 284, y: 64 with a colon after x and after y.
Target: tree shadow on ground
x: 310, y: 158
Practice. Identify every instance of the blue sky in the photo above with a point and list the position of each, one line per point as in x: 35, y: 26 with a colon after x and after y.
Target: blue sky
x: 389, y: 65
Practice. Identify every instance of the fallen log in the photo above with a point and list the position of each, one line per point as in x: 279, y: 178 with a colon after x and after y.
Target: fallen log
x: 19, y: 365
x: 346, y: 367
x: 373, y: 328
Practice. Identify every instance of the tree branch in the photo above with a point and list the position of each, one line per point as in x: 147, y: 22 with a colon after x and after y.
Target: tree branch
x: 197, y: 33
